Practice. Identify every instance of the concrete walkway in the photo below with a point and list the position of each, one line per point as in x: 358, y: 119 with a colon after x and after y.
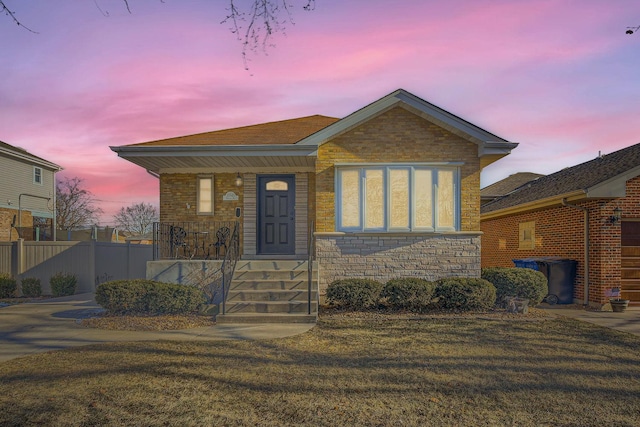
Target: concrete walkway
x: 628, y: 321
x: 51, y: 324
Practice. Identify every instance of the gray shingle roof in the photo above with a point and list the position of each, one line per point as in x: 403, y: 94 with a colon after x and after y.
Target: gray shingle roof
x: 507, y: 185
x: 580, y: 177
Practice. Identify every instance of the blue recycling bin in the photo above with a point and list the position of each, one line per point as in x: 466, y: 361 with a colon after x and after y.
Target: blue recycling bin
x: 560, y: 274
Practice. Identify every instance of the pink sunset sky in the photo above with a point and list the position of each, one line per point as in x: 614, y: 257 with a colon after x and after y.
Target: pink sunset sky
x: 560, y: 77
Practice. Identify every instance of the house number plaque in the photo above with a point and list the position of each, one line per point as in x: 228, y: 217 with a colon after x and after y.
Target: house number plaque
x: 230, y: 195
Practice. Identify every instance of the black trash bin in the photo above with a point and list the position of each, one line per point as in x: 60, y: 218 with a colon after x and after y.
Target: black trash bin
x: 560, y: 274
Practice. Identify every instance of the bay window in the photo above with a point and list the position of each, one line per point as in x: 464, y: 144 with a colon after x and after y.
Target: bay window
x: 397, y: 198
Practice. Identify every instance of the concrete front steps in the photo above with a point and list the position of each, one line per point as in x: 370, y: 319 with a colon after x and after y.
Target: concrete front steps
x: 274, y: 291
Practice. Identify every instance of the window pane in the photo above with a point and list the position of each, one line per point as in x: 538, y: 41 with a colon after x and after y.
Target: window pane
x: 374, y: 199
x: 399, y: 197
x: 350, y: 198
x: 423, y: 206
x: 446, y: 199
x: 277, y: 186
x: 205, y: 204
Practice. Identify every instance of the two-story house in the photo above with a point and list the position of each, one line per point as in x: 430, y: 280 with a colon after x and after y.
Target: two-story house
x: 27, y: 194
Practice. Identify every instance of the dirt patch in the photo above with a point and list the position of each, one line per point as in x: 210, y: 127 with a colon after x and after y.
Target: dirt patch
x: 495, y: 314
x: 147, y: 323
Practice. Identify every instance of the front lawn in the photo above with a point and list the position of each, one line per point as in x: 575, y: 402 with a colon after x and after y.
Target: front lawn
x: 385, y: 370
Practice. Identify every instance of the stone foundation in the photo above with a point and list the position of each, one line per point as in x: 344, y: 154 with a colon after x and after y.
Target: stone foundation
x: 386, y: 256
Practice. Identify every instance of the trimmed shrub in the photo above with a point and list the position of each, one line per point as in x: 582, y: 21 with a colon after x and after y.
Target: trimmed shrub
x: 409, y: 293
x: 31, y: 287
x: 356, y: 294
x: 148, y: 297
x: 8, y: 286
x: 517, y: 282
x: 464, y: 294
x: 63, y: 284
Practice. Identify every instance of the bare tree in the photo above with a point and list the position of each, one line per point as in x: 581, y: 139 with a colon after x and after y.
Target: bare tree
x: 252, y: 21
x: 75, y: 206
x: 254, y: 25
x: 136, y: 219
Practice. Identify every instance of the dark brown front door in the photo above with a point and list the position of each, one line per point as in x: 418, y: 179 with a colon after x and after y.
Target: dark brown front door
x: 630, y: 262
x: 276, y: 214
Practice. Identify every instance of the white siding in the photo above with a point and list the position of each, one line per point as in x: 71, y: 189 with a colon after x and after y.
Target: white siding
x: 16, y: 177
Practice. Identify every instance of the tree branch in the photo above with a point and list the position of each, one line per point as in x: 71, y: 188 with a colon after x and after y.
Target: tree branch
x: 4, y: 9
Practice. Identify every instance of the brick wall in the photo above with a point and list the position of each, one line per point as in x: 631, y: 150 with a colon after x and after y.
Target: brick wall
x: 177, y: 190
x: 398, y: 135
x: 560, y: 232
x: 8, y: 234
x: 387, y: 256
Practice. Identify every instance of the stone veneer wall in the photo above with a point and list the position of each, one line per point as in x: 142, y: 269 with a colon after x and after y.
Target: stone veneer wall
x: 387, y: 256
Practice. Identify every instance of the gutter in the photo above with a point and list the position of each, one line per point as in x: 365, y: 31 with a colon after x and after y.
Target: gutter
x: 586, y: 248
x: 535, y: 204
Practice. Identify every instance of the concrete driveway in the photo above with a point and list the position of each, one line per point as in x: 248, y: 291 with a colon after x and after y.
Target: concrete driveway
x: 52, y: 324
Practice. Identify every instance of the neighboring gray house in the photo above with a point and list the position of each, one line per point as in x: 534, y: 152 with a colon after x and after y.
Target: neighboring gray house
x: 27, y: 191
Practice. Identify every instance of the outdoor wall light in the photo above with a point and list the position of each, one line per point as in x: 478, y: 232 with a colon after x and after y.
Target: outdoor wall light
x: 631, y: 30
x: 238, y: 180
x: 617, y: 215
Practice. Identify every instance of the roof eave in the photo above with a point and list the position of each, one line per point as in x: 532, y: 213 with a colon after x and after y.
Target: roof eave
x: 489, y: 145
x: 214, y: 150
x: 535, y: 205
x: 613, y: 187
x: 32, y: 159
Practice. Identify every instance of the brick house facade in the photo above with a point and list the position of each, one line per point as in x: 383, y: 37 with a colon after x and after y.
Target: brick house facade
x: 600, y: 187
x: 401, y: 150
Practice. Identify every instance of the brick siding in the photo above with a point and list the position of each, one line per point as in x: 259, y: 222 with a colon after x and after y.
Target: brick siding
x: 559, y: 231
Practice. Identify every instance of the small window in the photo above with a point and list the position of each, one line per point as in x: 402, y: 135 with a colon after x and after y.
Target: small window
x: 37, y: 176
x: 277, y: 186
x: 527, y: 235
x: 205, y: 195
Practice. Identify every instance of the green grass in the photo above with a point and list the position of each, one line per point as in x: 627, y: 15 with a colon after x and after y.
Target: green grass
x: 374, y: 371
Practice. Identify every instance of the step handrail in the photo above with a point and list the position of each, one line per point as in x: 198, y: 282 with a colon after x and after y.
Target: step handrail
x: 229, y: 264
x: 310, y: 250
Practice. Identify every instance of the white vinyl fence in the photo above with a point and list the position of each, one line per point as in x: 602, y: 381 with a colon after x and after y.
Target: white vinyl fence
x: 91, y: 262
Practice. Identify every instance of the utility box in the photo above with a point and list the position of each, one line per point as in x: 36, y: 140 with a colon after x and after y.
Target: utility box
x: 560, y: 274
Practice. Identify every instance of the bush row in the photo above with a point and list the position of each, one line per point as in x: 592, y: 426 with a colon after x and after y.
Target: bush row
x: 419, y: 295
x: 412, y: 294
x: 62, y: 284
x: 142, y: 296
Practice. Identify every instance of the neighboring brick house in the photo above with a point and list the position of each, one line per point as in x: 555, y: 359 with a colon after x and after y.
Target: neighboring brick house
x: 574, y: 214
x: 27, y: 191
x: 391, y: 190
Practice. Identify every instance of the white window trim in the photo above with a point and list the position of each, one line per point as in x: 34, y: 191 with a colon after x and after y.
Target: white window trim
x: 434, y: 167
x: 36, y: 168
x: 199, y: 178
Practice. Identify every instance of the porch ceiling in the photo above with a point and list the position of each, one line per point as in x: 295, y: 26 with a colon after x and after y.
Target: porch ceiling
x: 222, y: 159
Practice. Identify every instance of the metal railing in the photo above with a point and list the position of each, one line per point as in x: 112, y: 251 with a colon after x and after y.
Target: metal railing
x: 192, y: 240
x: 311, y: 252
x: 229, y: 264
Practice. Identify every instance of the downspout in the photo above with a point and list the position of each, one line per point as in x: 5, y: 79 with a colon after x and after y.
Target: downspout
x: 586, y: 248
